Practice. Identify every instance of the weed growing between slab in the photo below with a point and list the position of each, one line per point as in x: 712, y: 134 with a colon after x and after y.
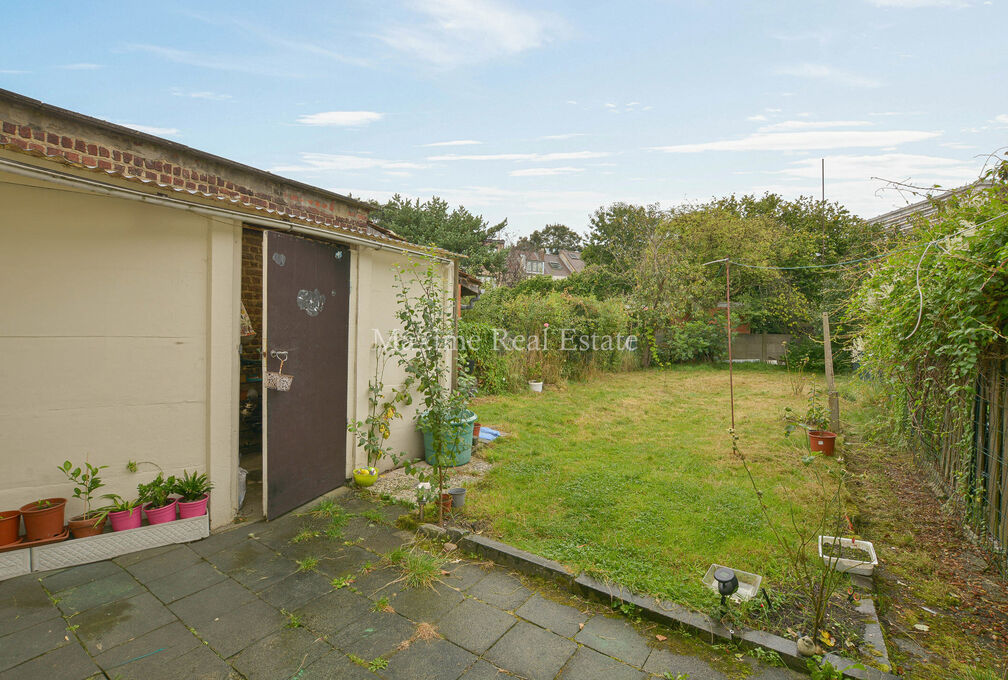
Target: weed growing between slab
x: 420, y: 569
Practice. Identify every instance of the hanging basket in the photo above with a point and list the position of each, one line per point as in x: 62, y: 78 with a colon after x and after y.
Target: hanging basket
x: 276, y: 380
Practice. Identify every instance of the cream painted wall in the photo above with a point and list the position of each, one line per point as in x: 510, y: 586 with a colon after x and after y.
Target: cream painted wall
x: 118, y: 342
x: 373, y: 298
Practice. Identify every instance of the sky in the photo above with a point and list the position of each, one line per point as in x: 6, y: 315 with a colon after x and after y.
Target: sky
x: 542, y: 112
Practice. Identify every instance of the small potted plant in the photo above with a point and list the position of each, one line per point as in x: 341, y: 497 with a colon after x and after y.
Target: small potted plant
x: 364, y: 477
x: 816, y: 422
x: 43, y: 518
x: 123, y: 514
x: 86, y: 481
x: 156, y: 496
x: 10, y: 527
x: 194, y: 490
x: 535, y: 374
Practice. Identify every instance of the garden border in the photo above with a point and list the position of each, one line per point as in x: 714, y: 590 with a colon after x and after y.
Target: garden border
x: 666, y: 612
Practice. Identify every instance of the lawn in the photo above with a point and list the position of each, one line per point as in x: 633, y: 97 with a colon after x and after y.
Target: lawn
x: 631, y: 477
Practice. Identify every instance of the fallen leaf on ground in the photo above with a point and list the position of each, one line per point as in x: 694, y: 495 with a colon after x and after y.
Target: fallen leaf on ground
x: 660, y: 638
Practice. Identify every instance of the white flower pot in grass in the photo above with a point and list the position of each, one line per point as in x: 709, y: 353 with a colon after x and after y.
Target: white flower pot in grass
x: 535, y: 386
x: 748, y: 583
x: 847, y: 565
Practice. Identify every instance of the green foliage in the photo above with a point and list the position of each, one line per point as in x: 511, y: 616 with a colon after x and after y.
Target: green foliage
x: 157, y: 491
x: 192, y: 486
x: 419, y: 567
x: 374, y: 430
x: 691, y: 341
x: 928, y: 314
x: 86, y: 481
x: 307, y: 564
x: 119, y: 504
x: 459, y: 231
x: 552, y: 236
x: 491, y: 368
x: 821, y: 669
x: 377, y: 664
x: 340, y: 582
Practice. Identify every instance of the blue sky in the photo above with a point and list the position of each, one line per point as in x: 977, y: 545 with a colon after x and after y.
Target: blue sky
x: 543, y: 112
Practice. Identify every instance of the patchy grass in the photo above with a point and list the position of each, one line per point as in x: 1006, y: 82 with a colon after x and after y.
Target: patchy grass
x: 631, y: 477
x: 419, y: 567
x: 308, y: 564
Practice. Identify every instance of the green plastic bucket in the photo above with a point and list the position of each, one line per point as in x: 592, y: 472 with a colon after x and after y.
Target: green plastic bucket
x: 457, y: 437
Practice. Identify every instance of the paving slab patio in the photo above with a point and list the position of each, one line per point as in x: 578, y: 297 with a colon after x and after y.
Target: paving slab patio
x: 239, y: 606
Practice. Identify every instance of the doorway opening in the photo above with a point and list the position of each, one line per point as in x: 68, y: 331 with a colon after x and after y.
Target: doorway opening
x: 250, y: 389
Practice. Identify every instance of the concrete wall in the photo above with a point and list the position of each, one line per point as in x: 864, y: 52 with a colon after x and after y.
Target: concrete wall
x: 118, y: 339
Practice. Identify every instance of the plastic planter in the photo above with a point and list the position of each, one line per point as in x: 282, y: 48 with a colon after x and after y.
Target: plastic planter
x: 126, y: 519
x: 458, y: 496
x: 846, y: 565
x: 456, y: 437
x: 535, y: 385
x: 45, y: 520
x: 820, y: 440
x: 10, y: 525
x: 187, y: 509
x: 160, y: 515
x: 365, y: 476
x: 82, y: 528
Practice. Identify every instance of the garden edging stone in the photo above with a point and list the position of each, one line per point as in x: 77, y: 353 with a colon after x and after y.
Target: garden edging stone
x: 666, y: 612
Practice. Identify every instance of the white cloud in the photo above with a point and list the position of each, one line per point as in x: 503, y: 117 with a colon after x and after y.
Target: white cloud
x: 957, y: 145
x: 757, y: 118
x: 453, y: 32
x: 566, y: 135
x: 454, y: 142
x: 204, y: 94
x: 319, y: 162
x: 12, y: 72
x: 152, y: 130
x: 823, y: 72
x: 80, y: 66
x: 1001, y: 118
x: 544, y: 172
x: 806, y: 141
x: 222, y: 62
x: 537, y: 157
x: 340, y: 118
x: 912, y: 4
x: 786, y: 125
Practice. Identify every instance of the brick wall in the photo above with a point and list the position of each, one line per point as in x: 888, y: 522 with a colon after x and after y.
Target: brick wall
x: 250, y: 423
x: 37, y: 128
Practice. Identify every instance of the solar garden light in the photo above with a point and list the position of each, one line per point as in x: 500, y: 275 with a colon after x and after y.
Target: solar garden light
x: 727, y: 584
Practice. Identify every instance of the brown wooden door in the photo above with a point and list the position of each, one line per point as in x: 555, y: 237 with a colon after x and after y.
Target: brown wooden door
x: 307, y: 302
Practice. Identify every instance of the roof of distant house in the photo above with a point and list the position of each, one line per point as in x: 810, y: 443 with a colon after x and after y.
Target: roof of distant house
x: 903, y: 218
x: 557, y: 262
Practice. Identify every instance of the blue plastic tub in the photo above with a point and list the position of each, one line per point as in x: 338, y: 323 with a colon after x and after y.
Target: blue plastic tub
x: 457, y: 437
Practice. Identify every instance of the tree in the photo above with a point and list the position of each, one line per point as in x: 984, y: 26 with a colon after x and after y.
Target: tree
x: 460, y: 231
x: 552, y: 236
x: 616, y: 232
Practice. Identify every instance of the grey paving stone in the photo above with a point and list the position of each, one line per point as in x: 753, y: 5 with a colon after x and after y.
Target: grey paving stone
x: 75, y: 576
x: 335, y: 666
x: 761, y: 672
x: 553, y: 616
x: 278, y: 533
x: 587, y: 664
x: 33, y: 641
x: 463, y: 574
x: 483, y: 670
x: 531, y: 652
x: 501, y: 590
x: 141, y: 555
x: 69, y: 662
x: 253, y: 565
x: 206, y: 604
x: 159, y: 566
x: 280, y: 655
x: 475, y: 626
x: 425, y: 604
x: 149, y: 651
x: 112, y: 624
x: 233, y: 629
x: 187, y: 581
x: 379, y: 583
x: 615, y: 637
x: 330, y: 613
x: 664, y: 661
x: 433, y: 660
x: 238, y: 555
x: 118, y: 586
x: 347, y: 561
x: 198, y: 664
x: 373, y: 634
x: 297, y: 590
x: 223, y: 540
x: 23, y: 603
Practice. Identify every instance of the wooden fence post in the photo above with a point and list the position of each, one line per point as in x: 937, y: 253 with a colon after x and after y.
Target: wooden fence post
x: 834, y: 402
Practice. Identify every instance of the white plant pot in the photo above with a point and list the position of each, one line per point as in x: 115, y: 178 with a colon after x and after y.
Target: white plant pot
x: 748, y: 583
x: 845, y: 565
x: 535, y: 386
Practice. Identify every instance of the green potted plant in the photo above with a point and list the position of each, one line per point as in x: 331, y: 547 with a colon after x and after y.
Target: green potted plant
x: 816, y: 422
x: 375, y: 429
x: 194, y: 490
x: 86, y: 481
x: 158, y: 504
x: 43, y: 518
x: 123, y: 514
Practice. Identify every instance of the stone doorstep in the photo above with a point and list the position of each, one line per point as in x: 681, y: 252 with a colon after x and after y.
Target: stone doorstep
x: 15, y: 563
x: 665, y: 612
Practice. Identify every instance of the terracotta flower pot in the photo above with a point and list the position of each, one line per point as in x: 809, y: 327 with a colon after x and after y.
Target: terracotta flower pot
x: 126, y: 519
x: 160, y: 515
x: 10, y: 526
x: 476, y: 429
x: 82, y: 528
x: 446, y: 502
x: 187, y: 509
x: 45, y: 520
x: 820, y: 440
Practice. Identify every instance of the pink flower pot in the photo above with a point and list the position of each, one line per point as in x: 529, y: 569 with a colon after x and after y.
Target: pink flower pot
x: 160, y: 515
x: 127, y: 519
x: 187, y: 509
